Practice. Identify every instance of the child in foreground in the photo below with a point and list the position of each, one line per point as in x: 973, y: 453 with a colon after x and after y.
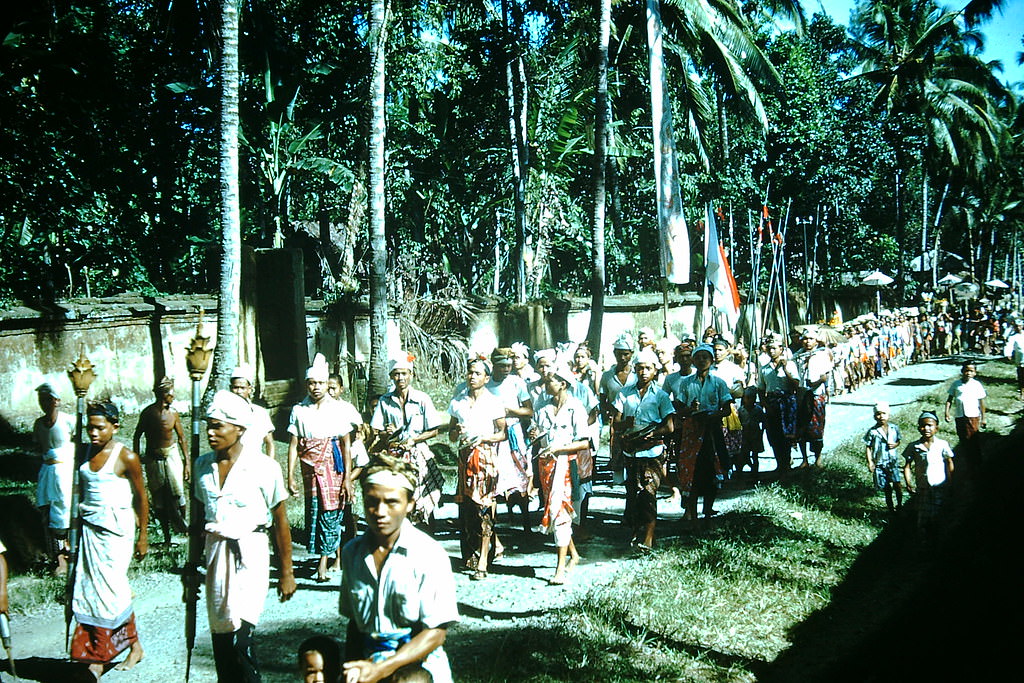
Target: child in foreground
x: 881, y: 442
x: 929, y: 465
x: 320, y: 659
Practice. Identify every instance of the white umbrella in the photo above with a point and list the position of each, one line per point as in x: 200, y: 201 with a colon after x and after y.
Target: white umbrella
x: 877, y: 279
x: 997, y: 284
x: 949, y: 279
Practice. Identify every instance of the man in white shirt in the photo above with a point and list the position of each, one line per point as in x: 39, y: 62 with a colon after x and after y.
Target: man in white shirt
x: 1014, y: 352
x: 815, y: 366
x: 397, y: 587
x: 260, y: 436
x: 642, y: 414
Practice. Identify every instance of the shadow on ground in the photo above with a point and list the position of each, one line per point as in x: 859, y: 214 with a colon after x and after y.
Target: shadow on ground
x: 946, y: 607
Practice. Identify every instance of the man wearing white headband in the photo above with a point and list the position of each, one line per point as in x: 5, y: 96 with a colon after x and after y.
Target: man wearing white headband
x: 52, y: 433
x: 241, y: 493
x: 320, y: 429
x: 397, y: 587
x: 260, y: 435
x: 642, y: 415
x: 515, y: 468
x: 404, y: 420
x: 612, y: 382
x: 815, y: 365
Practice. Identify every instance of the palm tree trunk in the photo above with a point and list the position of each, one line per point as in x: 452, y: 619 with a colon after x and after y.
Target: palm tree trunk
x: 225, y: 358
x: 602, y: 127
x: 378, y: 379
x: 515, y: 78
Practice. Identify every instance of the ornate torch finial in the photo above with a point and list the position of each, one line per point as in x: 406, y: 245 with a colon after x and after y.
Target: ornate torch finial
x: 81, y: 374
x: 197, y: 356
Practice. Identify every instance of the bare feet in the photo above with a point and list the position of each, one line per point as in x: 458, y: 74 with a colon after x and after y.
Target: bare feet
x: 135, y: 655
x: 558, y: 579
x: 571, y: 564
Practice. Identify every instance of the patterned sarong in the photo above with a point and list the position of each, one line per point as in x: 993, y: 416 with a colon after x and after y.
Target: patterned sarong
x: 692, y: 435
x: 320, y: 477
x: 99, y: 645
x: 557, y: 484
x: 478, y: 475
x: 811, y: 418
x: 431, y: 480
x: 643, y: 478
x: 515, y: 470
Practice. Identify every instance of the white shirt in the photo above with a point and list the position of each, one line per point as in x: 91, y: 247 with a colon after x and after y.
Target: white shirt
x: 1014, y: 349
x: 253, y: 487
x: 418, y: 415
x: 476, y: 417
x: 671, y: 385
x: 929, y: 466
x: 812, y: 366
x: 732, y: 374
x: 966, y: 397
x: 651, y: 408
x: 324, y: 420
x: 415, y: 590
x: 566, y: 426
x: 610, y: 385
x: 513, y: 392
x: 55, y: 441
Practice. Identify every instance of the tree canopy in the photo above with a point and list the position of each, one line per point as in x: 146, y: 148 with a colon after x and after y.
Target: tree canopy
x: 888, y: 139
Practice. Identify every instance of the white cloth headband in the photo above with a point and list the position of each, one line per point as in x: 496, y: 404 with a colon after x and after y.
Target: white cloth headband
x: 391, y: 480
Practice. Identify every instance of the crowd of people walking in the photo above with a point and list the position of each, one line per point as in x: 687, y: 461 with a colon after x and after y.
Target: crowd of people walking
x: 678, y: 416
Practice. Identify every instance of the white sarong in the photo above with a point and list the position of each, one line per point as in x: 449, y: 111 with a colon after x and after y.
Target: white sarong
x: 237, y: 577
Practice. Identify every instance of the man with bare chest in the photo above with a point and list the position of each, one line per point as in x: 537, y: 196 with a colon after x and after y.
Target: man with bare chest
x: 167, y: 468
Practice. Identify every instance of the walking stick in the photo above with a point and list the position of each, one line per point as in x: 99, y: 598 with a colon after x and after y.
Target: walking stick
x: 81, y: 375
x: 197, y: 358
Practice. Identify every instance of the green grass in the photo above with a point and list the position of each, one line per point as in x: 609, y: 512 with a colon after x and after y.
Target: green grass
x: 720, y: 604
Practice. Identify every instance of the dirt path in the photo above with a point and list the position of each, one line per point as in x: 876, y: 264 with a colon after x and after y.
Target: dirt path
x: 516, y: 593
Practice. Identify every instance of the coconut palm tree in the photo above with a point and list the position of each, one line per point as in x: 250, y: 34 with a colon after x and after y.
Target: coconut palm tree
x: 941, y: 96
x: 378, y: 377
x: 226, y: 355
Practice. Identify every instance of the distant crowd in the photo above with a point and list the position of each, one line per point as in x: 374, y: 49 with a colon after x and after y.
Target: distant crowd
x: 682, y: 416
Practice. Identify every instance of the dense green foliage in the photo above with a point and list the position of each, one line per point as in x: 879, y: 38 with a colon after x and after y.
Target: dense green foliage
x: 109, y: 110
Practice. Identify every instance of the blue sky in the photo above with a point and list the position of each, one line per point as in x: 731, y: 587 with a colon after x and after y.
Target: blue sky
x: 1002, y: 33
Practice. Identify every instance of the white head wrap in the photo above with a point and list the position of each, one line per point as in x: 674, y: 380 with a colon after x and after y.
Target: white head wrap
x: 882, y: 407
x: 550, y: 354
x: 520, y: 349
x: 391, y: 480
x: 648, y: 357
x: 623, y: 342
x: 228, y: 407
x: 318, y: 371
x: 646, y: 331
x: 244, y: 371
x: 563, y: 373
x: 403, y: 361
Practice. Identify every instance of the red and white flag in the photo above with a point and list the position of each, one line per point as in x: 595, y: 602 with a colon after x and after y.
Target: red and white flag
x: 725, y: 293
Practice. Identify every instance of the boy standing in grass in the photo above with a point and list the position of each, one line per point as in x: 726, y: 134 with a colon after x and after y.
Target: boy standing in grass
x: 881, y: 442
x: 967, y: 399
x: 928, y: 463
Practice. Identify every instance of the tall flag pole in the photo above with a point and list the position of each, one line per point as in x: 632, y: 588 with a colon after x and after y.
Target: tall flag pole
x: 675, y: 244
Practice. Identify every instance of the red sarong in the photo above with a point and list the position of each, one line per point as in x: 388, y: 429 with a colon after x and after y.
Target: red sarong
x: 319, y: 478
x: 96, y: 644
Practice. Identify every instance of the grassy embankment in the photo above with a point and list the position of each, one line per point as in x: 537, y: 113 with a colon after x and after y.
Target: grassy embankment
x: 721, y: 603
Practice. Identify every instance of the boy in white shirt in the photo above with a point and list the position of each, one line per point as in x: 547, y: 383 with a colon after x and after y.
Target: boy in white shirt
x: 967, y: 400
